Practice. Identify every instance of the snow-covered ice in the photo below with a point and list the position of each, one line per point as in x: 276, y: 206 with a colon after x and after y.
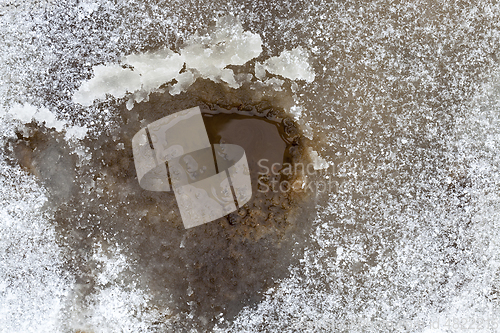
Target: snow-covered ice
x: 402, y: 98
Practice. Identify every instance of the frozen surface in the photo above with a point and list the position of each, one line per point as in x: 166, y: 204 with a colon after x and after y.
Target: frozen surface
x: 403, y: 99
x: 33, y: 286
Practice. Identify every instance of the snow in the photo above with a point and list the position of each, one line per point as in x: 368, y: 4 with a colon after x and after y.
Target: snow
x: 27, y: 113
x: 34, y: 286
x: 293, y: 65
x: 203, y: 56
x: 206, y: 56
x: 414, y: 237
x: 296, y: 111
x: 76, y: 133
x: 319, y: 163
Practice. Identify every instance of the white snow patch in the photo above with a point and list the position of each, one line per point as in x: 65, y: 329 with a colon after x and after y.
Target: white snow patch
x: 27, y: 113
x: 33, y: 287
x: 319, y: 162
x: 293, y: 65
x: 296, y: 111
x: 203, y: 56
x: 206, y: 56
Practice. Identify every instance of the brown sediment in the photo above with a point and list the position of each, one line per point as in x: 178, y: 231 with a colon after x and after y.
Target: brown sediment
x: 268, y: 139
x: 199, y: 273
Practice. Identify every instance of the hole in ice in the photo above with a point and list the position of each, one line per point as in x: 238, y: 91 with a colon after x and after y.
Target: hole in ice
x: 198, y: 273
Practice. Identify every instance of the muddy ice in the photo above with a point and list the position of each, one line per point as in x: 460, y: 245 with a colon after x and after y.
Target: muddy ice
x: 395, y: 102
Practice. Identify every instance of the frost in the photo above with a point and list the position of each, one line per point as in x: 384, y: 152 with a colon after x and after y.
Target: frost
x: 154, y: 69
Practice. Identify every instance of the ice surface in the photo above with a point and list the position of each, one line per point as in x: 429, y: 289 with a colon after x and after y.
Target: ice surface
x: 33, y: 287
x: 418, y: 222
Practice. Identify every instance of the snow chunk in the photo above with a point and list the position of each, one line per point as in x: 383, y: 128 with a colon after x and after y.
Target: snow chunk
x: 319, y: 163
x: 155, y: 68
x: 203, y: 56
x: 45, y: 116
x: 76, y: 133
x: 228, y: 45
x: 206, y: 56
x: 292, y: 65
x: 112, y: 79
x: 27, y: 113
x: 23, y: 113
x: 260, y: 71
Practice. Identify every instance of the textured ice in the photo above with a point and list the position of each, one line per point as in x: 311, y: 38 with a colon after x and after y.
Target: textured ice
x: 404, y: 101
